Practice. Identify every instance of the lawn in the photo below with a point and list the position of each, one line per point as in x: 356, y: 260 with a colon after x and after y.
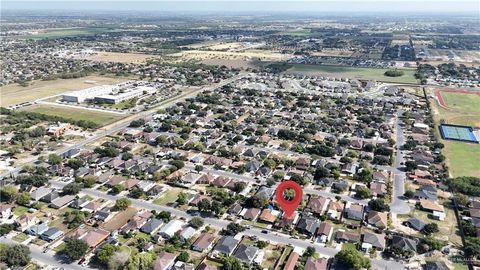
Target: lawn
x: 354, y: 72
x: 14, y: 93
x: 99, y: 118
x: 460, y: 156
x: 20, y: 210
x: 20, y: 237
x: 468, y: 103
x: 272, y: 254
x: 170, y: 196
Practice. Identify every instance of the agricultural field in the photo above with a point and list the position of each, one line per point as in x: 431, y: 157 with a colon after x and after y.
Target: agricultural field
x: 462, y: 109
x: 67, y: 32
x: 353, y: 72
x: 98, y: 117
x: 134, y: 58
x: 15, y: 94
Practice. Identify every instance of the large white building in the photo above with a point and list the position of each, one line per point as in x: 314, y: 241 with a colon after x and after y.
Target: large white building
x: 111, y: 93
x: 88, y: 93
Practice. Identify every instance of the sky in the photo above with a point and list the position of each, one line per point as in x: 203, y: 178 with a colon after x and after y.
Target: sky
x: 250, y: 6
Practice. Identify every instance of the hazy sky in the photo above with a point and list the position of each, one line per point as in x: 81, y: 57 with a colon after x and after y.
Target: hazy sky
x: 265, y: 6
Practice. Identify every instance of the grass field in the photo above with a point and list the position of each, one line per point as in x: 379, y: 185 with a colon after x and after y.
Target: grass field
x: 68, y: 32
x: 100, y: 118
x: 468, y: 103
x: 170, y: 196
x: 14, y: 93
x: 353, y: 72
x: 20, y: 210
x: 460, y: 156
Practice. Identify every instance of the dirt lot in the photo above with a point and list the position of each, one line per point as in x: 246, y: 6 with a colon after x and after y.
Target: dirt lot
x: 247, y: 55
x: 14, y: 93
x: 136, y: 58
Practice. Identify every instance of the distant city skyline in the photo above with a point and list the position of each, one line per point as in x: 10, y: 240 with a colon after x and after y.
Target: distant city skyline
x: 265, y: 7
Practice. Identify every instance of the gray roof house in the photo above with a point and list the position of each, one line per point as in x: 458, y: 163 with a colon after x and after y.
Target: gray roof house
x: 308, y: 225
x: 373, y: 240
x: 39, y: 193
x: 405, y: 244
x: 226, y: 245
x: 415, y: 223
x: 151, y: 226
x: 245, y: 253
x: 51, y: 234
x: 37, y: 229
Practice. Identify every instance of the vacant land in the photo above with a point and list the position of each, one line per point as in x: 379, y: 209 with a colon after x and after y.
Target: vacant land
x: 169, y: 197
x: 135, y: 58
x: 67, y: 32
x: 460, y: 156
x: 100, y: 118
x: 263, y: 55
x: 353, y: 72
x: 14, y: 93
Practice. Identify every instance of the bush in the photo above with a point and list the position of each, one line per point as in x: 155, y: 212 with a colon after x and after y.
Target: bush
x: 394, y: 73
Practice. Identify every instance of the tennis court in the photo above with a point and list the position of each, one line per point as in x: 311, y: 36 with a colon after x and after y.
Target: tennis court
x: 458, y: 133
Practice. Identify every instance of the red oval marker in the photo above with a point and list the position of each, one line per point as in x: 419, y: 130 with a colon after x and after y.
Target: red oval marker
x: 289, y: 206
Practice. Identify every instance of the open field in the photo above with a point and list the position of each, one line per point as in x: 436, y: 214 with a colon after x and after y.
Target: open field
x: 135, y: 58
x: 460, y: 156
x: 100, y: 118
x: 353, y: 72
x: 333, y: 52
x: 253, y: 54
x: 14, y: 93
x: 67, y: 32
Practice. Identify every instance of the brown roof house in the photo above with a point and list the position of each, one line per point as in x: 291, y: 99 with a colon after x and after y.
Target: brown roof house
x: 316, y: 264
x: 378, y: 219
x: 292, y: 261
x: 164, y: 261
x: 95, y: 237
x: 324, y: 232
x: 317, y: 205
x: 204, y: 242
x: 251, y: 213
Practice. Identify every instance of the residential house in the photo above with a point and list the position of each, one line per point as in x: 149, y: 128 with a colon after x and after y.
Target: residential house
x: 226, y: 245
x: 404, y: 244
x: 308, y: 225
x: 373, y: 240
x: 39, y: 193
x: 377, y: 219
x: 51, y: 234
x: 164, y: 261
x: 378, y: 189
x: 25, y: 221
x: 324, y: 232
x: 251, y: 213
x: 5, y: 211
x: 292, y: 261
x: 354, y: 211
x: 350, y: 237
x: 427, y: 193
x: 316, y: 264
x: 245, y: 253
x: 37, y: 229
x: 415, y: 224
x: 171, y: 228
x: 335, y: 210
x: 151, y: 226
x: 204, y: 242
x: 317, y: 205
x: 95, y: 237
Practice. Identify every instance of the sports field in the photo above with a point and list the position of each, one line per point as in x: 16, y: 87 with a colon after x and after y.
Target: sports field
x: 459, y: 110
x: 15, y: 94
x: 100, y: 118
x: 458, y: 133
x: 353, y: 72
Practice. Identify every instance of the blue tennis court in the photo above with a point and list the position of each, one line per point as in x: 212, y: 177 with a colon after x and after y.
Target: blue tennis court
x: 458, y: 133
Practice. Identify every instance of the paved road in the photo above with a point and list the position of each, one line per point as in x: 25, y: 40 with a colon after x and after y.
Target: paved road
x: 45, y: 259
x: 123, y: 123
x: 399, y: 205
x: 220, y: 223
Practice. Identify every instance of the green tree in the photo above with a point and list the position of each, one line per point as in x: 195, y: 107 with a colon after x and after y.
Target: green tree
x: 379, y: 205
x: 74, y: 218
x: 140, y: 261
x: 89, y: 181
x: 54, y: 159
x: 363, y: 192
x: 352, y: 259
x: 232, y: 263
x: 196, y: 222
x: 16, y: 255
x: 182, y: 198
x: 234, y: 229
x: 75, y: 248
x: 72, y: 188
x: 117, y: 189
x: 8, y: 193
x: 23, y: 199
x: 122, y: 204
x: 204, y: 205
x: 6, y: 228
x: 430, y: 228
x: 183, y: 256
x: 107, y: 252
